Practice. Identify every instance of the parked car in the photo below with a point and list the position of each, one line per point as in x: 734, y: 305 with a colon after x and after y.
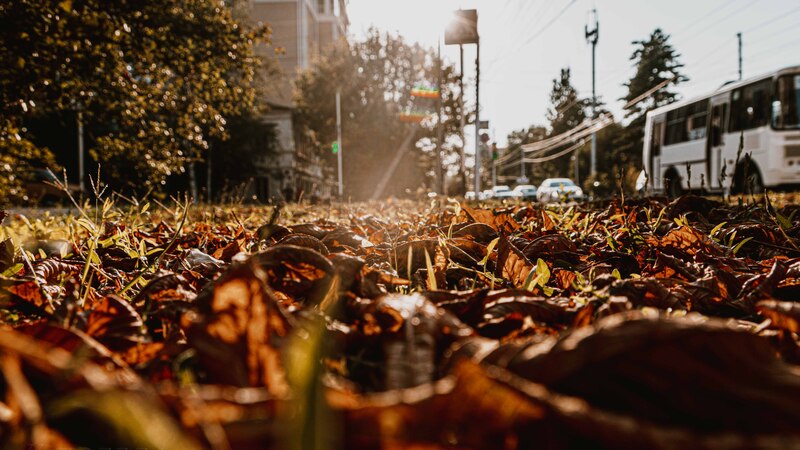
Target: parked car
x: 526, y: 191
x: 470, y: 195
x: 558, y: 189
x: 502, y: 192
x: 486, y: 194
x: 40, y: 188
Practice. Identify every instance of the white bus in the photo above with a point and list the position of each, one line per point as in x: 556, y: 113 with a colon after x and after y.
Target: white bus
x: 688, y: 144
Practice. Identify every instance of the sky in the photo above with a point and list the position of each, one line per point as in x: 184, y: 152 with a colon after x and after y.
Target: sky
x: 525, y: 43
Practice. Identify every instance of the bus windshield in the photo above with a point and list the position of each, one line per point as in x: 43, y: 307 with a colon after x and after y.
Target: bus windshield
x: 785, y: 108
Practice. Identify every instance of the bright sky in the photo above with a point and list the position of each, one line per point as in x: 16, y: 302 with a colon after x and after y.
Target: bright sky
x: 524, y: 43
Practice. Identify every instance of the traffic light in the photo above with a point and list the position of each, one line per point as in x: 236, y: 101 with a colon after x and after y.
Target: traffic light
x: 335, y: 147
x: 494, y: 152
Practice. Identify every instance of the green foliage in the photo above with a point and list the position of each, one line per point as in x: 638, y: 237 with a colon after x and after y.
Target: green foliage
x: 18, y: 156
x: 566, y: 110
x: 656, y: 62
x: 154, y: 79
x: 375, y: 78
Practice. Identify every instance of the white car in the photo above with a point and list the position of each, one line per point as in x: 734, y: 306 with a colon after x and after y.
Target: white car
x: 502, y: 192
x: 470, y: 195
x: 485, y: 194
x: 526, y: 191
x: 558, y: 189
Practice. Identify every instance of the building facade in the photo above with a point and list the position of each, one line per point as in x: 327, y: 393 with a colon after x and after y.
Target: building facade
x: 301, y: 30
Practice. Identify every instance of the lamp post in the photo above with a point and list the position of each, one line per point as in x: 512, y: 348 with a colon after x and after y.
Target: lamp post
x: 339, y: 140
x: 463, y: 29
x: 81, y: 169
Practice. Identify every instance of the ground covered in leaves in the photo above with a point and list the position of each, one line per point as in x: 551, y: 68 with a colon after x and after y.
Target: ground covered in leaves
x: 636, y: 324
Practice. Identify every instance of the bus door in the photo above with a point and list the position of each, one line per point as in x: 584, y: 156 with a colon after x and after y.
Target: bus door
x: 656, y: 136
x: 715, y: 143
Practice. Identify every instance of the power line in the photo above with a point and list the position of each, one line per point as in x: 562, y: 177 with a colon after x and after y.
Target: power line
x: 704, y: 16
x: 777, y: 33
x: 535, y: 35
x: 548, y: 24
x: 712, y: 25
x: 774, y: 19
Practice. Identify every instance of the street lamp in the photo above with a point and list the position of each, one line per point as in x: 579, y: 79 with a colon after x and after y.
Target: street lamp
x: 463, y: 29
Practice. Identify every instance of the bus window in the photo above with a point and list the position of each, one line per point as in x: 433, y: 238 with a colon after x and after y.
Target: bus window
x: 655, y: 138
x: 676, y: 126
x: 686, y: 123
x: 750, y: 106
x: 696, y: 120
x: 787, y: 116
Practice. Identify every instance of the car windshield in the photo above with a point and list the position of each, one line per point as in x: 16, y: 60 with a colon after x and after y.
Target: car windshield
x: 559, y: 183
x: 785, y: 113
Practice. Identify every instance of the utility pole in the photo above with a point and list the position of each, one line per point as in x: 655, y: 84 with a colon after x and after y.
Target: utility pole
x: 463, y: 29
x: 439, y: 132
x: 477, y: 117
x: 739, y: 37
x: 208, y: 175
x: 577, y: 166
x: 591, y: 37
x: 339, y: 138
x: 81, y: 171
x: 494, y: 164
x: 463, y: 118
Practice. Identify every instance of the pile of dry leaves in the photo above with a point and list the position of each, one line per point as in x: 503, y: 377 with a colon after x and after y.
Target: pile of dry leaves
x: 639, y: 325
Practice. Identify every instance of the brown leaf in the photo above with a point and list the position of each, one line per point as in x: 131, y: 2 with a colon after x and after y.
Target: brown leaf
x: 686, y: 240
x: 688, y: 372
x: 7, y: 253
x: 500, y: 221
x: 479, y: 233
x: 470, y: 407
x: 115, y: 324
x: 239, y: 331
x: 299, y: 272
x: 511, y: 263
x: 784, y: 315
x: 30, y: 292
x: 305, y: 240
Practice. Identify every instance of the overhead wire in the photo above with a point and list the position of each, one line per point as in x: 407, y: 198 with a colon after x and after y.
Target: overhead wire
x: 535, y: 35
x: 774, y: 19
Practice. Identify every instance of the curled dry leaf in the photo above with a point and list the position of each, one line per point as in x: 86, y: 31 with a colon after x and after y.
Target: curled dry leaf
x: 239, y: 329
x: 783, y: 315
x: 116, y: 324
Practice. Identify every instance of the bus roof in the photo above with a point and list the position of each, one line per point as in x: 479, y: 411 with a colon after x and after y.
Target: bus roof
x: 729, y: 86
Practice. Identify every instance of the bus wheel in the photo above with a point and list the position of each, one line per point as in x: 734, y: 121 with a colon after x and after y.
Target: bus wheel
x: 753, y: 184
x: 674, y: 188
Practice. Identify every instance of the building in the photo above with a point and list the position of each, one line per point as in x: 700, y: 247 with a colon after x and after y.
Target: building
x: 301, y: 29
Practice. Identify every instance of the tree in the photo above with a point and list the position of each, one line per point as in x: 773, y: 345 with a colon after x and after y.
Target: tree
x: 154, y: 79
x: 376, y: 77
x: 516, y: 139
x: 657, y: 64
x: 567, y: 111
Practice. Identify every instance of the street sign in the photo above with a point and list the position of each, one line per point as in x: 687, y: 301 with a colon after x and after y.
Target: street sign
x: 463, y: 29
x: 335, y: 147
x: 484, y: 124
